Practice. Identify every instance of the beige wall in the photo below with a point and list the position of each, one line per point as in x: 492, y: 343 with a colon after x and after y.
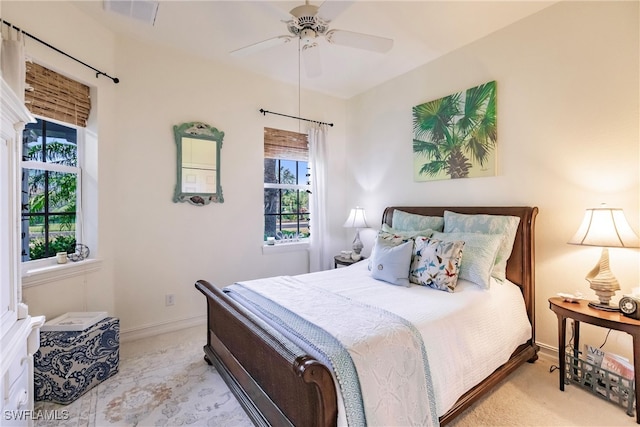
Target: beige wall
x: 165, y: 247
x: 567, y: 81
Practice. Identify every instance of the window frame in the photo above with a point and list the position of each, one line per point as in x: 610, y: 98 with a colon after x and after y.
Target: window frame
x: 279, y: 186
x: 58, y: 168
x: 47, y: 269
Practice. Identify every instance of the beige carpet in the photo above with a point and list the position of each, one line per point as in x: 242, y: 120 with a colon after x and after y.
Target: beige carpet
x: 164, y: 381
x: 531, y: 397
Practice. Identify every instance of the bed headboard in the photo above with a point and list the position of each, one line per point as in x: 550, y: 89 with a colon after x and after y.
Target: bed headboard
x: 521, y: 264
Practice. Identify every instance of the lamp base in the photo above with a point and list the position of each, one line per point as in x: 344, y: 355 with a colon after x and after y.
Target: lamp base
x: 357, y: 244
x: 603, y: 283
x: 604, y: 307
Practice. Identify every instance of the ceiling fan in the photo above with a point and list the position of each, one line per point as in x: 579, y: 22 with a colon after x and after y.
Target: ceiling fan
x: 308, y: 23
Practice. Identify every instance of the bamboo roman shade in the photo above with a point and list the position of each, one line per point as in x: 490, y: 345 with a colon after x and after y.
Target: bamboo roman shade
x: 282, y: 144
x: 56, y: 96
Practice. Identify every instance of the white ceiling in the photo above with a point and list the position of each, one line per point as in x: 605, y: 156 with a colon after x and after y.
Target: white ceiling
x: 421, y: 30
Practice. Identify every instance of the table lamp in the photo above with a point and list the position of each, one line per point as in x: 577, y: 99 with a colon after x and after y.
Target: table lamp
x: 357, y: 219
x: 608, y: 228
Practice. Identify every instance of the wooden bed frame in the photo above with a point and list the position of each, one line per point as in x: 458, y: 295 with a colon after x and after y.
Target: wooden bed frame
x: 276, y: 388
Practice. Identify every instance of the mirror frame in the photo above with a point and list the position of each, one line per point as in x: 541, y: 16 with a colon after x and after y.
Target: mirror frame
x: 197, y: 130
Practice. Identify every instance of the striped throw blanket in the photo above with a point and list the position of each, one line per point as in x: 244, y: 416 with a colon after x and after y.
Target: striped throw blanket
x: 378, y: 358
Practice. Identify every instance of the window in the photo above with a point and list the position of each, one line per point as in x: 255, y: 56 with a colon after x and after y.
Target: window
x: 286, y: 185
x: 50, y: 184
x: 59, y: 178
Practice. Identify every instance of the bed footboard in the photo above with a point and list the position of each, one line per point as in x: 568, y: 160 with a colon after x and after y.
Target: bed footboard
x: 275, y: 385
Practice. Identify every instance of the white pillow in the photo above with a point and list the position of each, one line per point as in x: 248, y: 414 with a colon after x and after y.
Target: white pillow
x: 390, y: 263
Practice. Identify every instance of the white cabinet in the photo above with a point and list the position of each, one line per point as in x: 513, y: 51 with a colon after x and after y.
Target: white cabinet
x: 19, y: 332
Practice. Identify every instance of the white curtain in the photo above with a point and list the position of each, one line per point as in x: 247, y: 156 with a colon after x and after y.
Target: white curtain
x: 12, y: 66
x: 319, y: 257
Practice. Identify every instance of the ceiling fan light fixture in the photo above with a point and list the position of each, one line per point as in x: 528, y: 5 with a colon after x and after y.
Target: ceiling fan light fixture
x: 306, y: 18
x: 297, y: 28
x: 308, y: 36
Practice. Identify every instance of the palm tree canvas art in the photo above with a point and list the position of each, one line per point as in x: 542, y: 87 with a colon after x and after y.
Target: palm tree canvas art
x: 456, y: 136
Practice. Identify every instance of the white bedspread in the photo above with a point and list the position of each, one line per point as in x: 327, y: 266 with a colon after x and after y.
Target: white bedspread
x: 467, y: 334
x: 370, y: 349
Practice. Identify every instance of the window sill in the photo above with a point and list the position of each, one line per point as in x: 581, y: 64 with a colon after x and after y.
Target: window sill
x: 51, y: 273
x: 285, y: 247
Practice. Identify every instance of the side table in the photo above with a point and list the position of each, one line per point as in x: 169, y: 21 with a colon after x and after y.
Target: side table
x: 581, y: 312
x: 340, y: 260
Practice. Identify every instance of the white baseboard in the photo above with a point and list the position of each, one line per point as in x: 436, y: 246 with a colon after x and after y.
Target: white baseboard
x: 548, y: 352
x: 161, y: 328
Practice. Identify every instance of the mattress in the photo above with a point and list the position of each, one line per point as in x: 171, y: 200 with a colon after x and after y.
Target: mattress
x: 467, y: 334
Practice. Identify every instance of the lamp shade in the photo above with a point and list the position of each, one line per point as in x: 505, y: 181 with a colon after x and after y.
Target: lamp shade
x: 357, y: 219
x: 605, y: 227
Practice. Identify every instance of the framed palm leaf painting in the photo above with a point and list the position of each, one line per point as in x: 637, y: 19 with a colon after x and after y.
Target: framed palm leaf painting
x: 456, y: 136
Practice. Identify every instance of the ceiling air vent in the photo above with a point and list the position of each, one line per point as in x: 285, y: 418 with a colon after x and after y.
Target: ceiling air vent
x: 141, y: 10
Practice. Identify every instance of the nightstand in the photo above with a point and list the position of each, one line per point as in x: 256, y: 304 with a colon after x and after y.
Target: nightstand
x: 581, y: 312
x: 340, y: 260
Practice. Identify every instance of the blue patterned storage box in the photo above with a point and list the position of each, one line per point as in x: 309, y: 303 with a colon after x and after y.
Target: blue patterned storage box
x: 69, y: 363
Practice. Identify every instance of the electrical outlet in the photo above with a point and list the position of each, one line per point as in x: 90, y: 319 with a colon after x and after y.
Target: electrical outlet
x: 169, y: 299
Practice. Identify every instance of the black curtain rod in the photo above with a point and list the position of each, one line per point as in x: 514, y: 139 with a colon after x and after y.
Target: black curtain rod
x: 98, y: 72
x: 264, y: 113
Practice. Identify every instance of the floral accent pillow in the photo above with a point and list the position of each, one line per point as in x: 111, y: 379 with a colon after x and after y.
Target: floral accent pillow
x: 393, y: 238
x: 487, y: 224
x: 480, y: 251
x: 390, y: 263
x: 407, y: 221
x: 436, y: 263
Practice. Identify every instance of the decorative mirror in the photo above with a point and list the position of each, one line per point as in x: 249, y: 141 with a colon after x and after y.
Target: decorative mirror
x: 198, y: 164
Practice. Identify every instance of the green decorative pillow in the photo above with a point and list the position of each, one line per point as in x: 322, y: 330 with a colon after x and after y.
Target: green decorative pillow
x: 390, y: 263
x: 436, y: 263
x: 406, y: 221
x: 487, y: 224
x: 407, y: 234
x: 480, y: 251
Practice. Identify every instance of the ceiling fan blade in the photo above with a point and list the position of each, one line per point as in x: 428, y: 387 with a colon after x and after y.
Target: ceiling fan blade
x: 329, y: 10
x: 257, y: 47
x: 311, y: 59
x: 359, y: 40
